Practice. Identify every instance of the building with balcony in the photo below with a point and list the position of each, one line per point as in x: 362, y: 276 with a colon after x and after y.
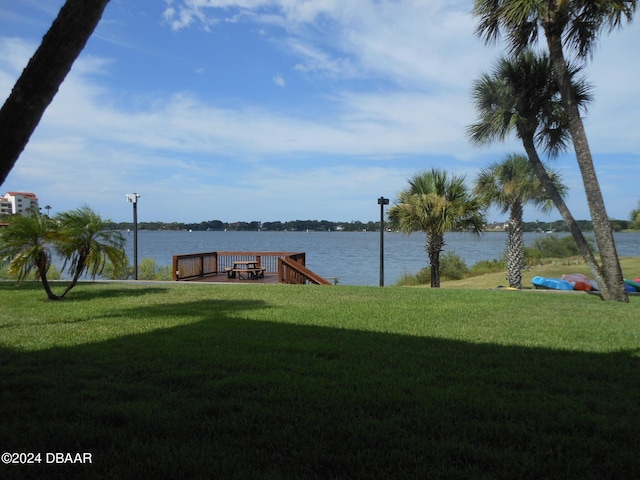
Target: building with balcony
x: 18, y: 202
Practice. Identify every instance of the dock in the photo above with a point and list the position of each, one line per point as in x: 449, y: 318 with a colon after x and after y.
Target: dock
x: 213, y: 267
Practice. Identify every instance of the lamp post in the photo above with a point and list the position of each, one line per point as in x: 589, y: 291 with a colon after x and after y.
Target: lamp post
x: 133, y: 198
x: 382, y: 202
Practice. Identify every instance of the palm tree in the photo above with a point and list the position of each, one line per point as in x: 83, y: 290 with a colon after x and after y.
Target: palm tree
x: 574, y: 25
x: 435, y: 203
x: 521, y: 97
x: 79, y: 236
x: 510, y: 185
x: 45, y: 72
x: 25, y: 245
x: 86, y: 244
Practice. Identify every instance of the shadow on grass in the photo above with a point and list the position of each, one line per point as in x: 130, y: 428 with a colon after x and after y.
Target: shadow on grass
x: 80, y: 294
x: 228, y: 397
x: 82, y: 291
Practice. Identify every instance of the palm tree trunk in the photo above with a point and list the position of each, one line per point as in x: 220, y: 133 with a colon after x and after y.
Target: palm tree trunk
x: 78, y: 271
x: 435, y: 242
x: 45, y: 72
x: 565, y: 213
x: 73, y: 283
x: 611, y: 270
x: 514, y: 246
x: 47, y: 288
x: 42, y: 265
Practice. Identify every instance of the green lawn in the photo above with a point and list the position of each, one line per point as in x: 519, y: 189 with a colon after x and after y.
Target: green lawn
x: 273, y: 381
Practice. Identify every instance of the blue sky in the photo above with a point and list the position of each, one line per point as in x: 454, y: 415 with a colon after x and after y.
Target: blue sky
x: 244, y: 110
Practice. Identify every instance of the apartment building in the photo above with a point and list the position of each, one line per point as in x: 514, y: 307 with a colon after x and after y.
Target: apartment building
x: 18, y: 202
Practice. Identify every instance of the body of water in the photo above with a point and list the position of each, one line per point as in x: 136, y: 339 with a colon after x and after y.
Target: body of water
x: 351, y: 257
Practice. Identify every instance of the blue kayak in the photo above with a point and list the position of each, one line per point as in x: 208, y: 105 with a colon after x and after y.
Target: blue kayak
x: 551, y: 283
x: 631, y: 285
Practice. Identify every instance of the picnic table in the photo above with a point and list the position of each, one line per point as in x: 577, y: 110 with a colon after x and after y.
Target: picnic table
x: 246, y: 270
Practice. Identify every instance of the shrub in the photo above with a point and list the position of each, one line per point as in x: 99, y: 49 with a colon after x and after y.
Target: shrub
x: 164, y: 273
x: 423, y: 277
x: 120, y: 272
x: 553, y: 246
x: 452, y: 267
x: 148, y: 270
x: 532, y: 256
x: 487, y: 266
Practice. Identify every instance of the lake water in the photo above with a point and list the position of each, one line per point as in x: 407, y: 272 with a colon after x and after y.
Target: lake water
x: 351, y: 257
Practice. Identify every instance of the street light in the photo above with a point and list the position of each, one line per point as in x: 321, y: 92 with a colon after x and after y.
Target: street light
x: 382, y: 202
x: 133, y: 198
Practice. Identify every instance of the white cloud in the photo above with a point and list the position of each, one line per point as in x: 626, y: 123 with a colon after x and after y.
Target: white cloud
x: 412, y: 43
x: 395, y: 82
x: 279, y: 81
x: 612, y: 119
x: 14, y: 52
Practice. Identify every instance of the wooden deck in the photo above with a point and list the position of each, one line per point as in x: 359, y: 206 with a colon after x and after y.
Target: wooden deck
x: 278, y: 267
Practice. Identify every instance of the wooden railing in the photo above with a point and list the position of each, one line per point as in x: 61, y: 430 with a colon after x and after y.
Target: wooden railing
x: 197, y: 265
x: 292, y: 272
x: 194, y: 265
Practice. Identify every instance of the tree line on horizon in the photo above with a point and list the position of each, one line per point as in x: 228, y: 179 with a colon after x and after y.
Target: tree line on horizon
x: 557, y: 226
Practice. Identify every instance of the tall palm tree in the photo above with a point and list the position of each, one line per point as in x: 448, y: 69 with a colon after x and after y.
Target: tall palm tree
x: 25, y: 245
x: 42, y: 77
x: 435, y: 203
x: 86, y: 244
x: 573, y: 26
x: 510, y: 185
x: 521, y: 96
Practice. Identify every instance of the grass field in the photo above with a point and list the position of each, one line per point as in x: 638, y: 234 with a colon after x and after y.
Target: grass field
x: 273, y: 381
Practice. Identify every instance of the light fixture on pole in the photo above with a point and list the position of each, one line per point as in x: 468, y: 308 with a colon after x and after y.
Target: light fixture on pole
x: 382, y: 202
x: 133, y: 198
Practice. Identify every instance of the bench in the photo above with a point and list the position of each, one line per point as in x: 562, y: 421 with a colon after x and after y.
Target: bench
x: 258, y: 272
x: 245, y: 273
